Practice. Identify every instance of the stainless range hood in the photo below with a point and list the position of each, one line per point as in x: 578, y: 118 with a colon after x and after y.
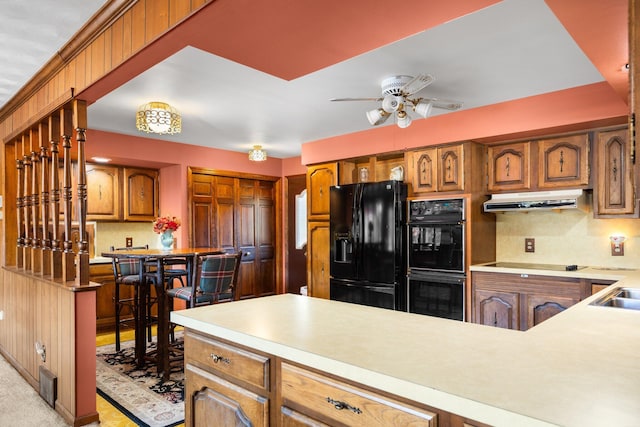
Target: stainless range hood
x: 537, y: 201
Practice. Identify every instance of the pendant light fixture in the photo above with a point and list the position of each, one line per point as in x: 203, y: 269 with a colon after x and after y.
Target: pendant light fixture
x: 158, y: 117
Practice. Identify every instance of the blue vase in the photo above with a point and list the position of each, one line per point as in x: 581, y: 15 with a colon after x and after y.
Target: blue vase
x: 166, y: 240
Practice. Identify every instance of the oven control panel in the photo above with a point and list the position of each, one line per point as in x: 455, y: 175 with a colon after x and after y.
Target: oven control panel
x: 419, y: 209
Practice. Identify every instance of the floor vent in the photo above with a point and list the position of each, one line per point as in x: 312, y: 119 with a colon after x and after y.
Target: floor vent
x: 48, y: 386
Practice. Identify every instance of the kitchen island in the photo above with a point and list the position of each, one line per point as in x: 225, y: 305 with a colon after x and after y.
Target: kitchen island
x: 578, y: 368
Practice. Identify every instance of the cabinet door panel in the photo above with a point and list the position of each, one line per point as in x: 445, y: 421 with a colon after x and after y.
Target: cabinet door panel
x: 210, y: 400
x: 141, y: 192
x: 542, y: 307
x: 499, y: 309
x: 451, y: 168
x: 319, y: 179
x: 564, y: 162
x: 509, y: 166
x: 423, y: 166
x: 103, y: 192
x: 318, y: 259
x: 614, y: 171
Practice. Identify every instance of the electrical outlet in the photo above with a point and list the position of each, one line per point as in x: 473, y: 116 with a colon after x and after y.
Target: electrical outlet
x: 529, y: 244
x: 1, y: 314
x: 129, y: 241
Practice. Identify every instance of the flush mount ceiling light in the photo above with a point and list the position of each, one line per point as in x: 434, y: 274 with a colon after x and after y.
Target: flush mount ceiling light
x: 257, y: 154
x: 397, y: 99
x: 158, y: 117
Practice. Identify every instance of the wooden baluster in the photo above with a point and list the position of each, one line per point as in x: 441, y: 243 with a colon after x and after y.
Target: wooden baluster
x: 19, y: 211
x: 68, y: 267
x: 80, y: 123
x: 36, y: 258
x: 45, y: 245
x: 56, y: 252
x: 26, y: 210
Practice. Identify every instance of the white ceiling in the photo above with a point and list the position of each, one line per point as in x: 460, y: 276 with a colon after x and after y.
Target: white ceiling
x: 31, y: 32
x: 514, y: 49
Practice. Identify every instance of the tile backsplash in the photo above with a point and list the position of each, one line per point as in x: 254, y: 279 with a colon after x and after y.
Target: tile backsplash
x: 566, y: 237
x: 115, y: 234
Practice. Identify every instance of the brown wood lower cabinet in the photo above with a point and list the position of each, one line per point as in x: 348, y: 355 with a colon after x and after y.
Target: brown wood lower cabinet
x: 105, y: 308
x: 522, y: 301
x: 229, y: 384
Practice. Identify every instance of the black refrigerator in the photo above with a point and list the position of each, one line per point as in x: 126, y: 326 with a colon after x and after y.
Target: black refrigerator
x: 368, y: 263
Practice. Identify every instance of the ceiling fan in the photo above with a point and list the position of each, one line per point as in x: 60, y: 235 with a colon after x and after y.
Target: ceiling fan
x: 397, y: 98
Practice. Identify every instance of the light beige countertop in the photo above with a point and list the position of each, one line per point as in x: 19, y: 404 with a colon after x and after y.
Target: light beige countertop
x: 579, y: 368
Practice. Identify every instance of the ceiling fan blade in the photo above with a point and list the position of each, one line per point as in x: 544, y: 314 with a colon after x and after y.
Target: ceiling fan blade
x: 418, y: 83
x: 445, y: 104
x: 355, y: 99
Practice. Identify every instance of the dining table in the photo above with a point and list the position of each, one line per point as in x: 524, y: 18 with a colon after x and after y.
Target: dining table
x: 152, y: 263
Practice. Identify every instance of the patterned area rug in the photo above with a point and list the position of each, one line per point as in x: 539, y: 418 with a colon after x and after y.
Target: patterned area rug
x: 140, y: 393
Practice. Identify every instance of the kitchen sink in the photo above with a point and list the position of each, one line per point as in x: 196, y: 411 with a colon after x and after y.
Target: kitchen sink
x: 628, y: 298
x: 633, y: 293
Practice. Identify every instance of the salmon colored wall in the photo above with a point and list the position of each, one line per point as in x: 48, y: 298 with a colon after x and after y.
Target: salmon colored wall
x: 173, y: 159
x: 571, y: 108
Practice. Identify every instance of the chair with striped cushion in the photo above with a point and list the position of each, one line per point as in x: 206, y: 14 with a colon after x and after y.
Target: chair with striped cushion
x: 215, y: 278
x: 126, y: 273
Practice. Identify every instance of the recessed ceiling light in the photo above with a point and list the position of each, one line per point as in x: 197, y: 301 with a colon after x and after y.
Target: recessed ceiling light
x: 100, y: 159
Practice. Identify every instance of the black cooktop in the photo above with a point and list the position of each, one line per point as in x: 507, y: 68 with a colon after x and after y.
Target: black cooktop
x: 525, y: 265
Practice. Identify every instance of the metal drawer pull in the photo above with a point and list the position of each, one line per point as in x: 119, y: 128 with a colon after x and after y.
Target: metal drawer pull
x: 216, y: 358
x: 343, y: 405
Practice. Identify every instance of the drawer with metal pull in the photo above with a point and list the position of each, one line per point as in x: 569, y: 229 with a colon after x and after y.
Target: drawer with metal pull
x: 220, y: 357
x: 340, y: 402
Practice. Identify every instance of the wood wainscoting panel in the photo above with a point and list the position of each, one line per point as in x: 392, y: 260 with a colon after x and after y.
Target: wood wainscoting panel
x: 39, y: 310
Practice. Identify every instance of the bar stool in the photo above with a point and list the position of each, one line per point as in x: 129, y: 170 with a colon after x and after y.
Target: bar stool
x: 126, y: 272
x: 215, y: 279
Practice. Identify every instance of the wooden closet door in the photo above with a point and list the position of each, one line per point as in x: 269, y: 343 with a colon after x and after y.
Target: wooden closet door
x: 230, y: 212
x: 202, y: 207
x: 256, y: 236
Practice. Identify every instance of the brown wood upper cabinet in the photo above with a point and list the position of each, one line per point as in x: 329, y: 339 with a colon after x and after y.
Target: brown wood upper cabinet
x: 445, y: 168
x: 509, y: 166
x: 105, y: 202
x: 561, y: 162
x: 141, y: 193
x: 103, y: 192
x: 320, y: 178
x: 564, y: 161
x: 614, y: 190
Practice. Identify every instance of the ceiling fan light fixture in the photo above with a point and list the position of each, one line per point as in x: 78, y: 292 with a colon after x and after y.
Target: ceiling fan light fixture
x: 377, y: 116
x: 158, y: 117
x: 257, y: 154
x: 423, y: 108
x: 391, y: 103
x: 403, y: 120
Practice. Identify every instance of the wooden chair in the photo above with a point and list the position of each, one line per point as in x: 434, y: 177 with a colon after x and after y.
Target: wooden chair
x: 215, y: 278
x: 126, y: 273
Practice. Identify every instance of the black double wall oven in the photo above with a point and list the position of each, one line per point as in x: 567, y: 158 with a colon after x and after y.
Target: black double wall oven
x: 436, y: 257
